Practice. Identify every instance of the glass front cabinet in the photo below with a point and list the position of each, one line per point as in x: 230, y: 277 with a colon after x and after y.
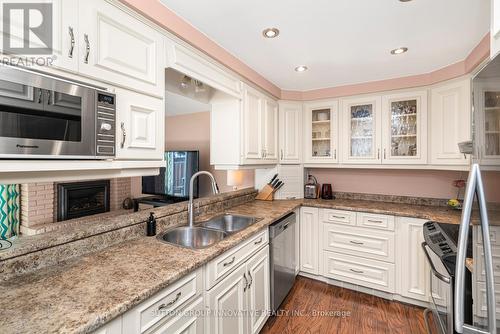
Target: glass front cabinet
x: 487, y: 116
x: 361, y: 130
x: 404, y: 128
x: 321, y: 132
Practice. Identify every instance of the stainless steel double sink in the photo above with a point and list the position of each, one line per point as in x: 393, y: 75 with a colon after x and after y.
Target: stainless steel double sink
x: 208, y: 232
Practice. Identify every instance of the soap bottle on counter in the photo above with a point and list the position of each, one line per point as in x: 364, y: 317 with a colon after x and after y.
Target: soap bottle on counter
x: 151, y: 225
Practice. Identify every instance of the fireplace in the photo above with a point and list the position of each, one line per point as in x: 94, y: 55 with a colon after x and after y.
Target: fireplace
x: 79, y: 199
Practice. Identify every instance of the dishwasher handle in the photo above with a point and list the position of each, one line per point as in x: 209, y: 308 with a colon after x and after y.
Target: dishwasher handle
x: 281, y: 225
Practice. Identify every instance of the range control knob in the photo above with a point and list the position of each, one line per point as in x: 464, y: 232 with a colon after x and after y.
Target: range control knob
x: 106, y: 126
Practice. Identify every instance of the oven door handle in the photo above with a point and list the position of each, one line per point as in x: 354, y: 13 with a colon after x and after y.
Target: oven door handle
x: 433, y: 269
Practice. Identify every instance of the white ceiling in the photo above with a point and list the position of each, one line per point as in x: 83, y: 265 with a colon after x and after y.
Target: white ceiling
x: 176, y: 104
x: 341, y: 41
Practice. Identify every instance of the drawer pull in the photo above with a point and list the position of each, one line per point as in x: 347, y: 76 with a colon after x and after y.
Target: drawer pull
x: 375, y: 221
x: 338, y: 217
x: 356, y: 271
x: 251, y: 279
x: 170, y: 303
x: 357, y: 242
x: 229, y: 263
x: 246, y: 282
x: 258, y: 242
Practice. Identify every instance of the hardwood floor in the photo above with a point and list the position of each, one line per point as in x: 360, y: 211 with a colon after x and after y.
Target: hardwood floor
x: 355, y: 312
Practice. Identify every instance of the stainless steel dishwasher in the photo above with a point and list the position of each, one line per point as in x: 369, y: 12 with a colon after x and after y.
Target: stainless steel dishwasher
x: 283, y: 260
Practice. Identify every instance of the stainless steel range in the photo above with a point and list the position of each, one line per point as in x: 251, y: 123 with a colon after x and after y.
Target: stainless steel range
x: 43, y: 117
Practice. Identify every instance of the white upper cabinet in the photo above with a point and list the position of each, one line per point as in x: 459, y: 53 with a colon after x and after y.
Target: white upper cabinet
x: 321, y: 132
x: 404, y: 128
x: 140, y: 126
x: 450, y: 122
x: 495, y: 28
x: 252, y: 125
x: 65, y: 34
x: 243, y: 133
x: 290, y: 132
x: 119, y: 48
x: 487, y: 118
x: 270, y: 127
x: 362, y: 131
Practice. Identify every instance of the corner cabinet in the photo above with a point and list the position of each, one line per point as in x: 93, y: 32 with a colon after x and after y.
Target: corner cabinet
x: 140, y: 126
x: 290, y: 132
x: 321, y: 132
x: 243, y: 132
x: 450, y: 122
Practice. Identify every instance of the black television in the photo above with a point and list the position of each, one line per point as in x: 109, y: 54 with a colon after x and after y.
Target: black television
x: 173, y: 180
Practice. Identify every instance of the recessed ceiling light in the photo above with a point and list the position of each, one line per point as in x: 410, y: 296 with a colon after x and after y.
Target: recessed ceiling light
x: 301, y: 68
x: 270, y: 32
x: 399, y: 51
x: 404, y: 0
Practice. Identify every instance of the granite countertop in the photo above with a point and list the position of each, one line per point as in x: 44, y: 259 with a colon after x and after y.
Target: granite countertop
x: 84, y: 293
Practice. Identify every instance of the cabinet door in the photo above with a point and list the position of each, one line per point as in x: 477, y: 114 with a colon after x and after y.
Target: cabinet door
x: 252, y: 129
x: 361, y: 131
x: 450, y: 122
x: 140, y: 126
x: 413, y: 269
x: 118, y: 48
x: 258, y: 290
x: 487, y: 113
x: 189, y: 321
x: 270, y: 130
x: 321, y: 132
x: 290, y: 131
x: 65, y: 34
x: 309, y: 240
x: 404, y: 128
x: 226, y: 302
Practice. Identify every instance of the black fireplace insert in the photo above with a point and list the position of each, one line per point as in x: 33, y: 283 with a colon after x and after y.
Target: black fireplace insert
x: 79, y: 199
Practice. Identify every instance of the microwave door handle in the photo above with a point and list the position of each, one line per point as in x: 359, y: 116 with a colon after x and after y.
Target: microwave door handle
x: 474, y: 185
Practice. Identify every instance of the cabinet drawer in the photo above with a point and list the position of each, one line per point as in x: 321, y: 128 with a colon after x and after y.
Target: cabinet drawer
x: 338, y: 217
x: 369, y: 273
x: 189, y: 321
x: 494, y: 235
x: 161, y: 306
x: 225, y: 263
x: 375, y: 221
x: 481, y: 308
x: 479, y: 269
x: 378, y: 245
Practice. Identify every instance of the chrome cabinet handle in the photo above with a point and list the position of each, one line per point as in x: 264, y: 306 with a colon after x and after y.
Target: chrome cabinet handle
x: 48, y: 97
x: 335, y: 153
x: 385, y: 154
x: 40, y: 96
x: 124, y: 135
x: 357, y: 271
x: 251, y: 279
x: 72, y: 43
x: 246, y: 282
x: 281, y: 154
x: 338, y: 217
x: 87, y: 48
x: 258, y: 242
x: 374, y: 221
x: 356, y: 242
x: 229, y: 263
x: 378, y: 154
x: 170, y: 303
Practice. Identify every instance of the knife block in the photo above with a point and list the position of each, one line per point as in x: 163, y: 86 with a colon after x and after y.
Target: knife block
x: 266, y: 194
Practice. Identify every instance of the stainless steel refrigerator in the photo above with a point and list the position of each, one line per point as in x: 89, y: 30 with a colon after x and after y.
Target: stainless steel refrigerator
x: 480, y: 210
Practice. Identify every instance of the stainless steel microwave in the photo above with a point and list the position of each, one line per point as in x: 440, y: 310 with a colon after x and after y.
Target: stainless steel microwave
x: 45, y: 117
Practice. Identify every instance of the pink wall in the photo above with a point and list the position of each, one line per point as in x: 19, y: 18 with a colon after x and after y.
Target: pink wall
x: 192, y: 132
x: 418, y: 183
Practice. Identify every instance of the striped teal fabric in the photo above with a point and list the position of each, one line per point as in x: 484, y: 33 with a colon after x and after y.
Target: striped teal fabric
x: 9, y: 210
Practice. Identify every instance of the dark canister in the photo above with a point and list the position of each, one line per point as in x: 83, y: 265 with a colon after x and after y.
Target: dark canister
x: 326, y: 191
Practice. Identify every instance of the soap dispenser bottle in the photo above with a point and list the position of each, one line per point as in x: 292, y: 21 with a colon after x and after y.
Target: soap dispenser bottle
x: 151, y: 225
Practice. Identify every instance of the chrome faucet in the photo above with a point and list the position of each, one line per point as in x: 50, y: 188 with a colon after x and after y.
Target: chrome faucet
x: 215, y: 190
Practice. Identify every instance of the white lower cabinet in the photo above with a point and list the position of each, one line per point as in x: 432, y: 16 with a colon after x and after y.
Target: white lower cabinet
x: 366, y: 250
x: 413, y: 268
x: 240, y: 303
x: 309, y: 237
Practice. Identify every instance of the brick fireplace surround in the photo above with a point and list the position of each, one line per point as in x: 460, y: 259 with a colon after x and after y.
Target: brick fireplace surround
x: 39, y: 204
